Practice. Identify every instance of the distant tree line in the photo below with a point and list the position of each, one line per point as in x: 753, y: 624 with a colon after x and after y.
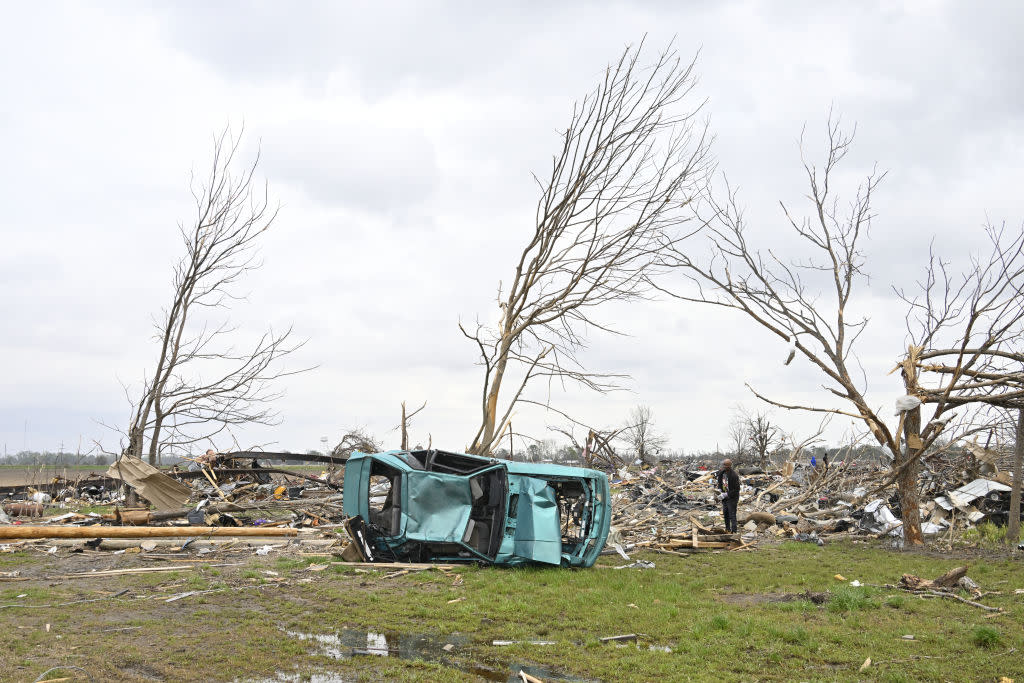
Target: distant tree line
x: 49, y: 458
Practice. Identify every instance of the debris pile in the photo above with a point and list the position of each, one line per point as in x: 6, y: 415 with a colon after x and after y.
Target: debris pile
x: 217, y: 501
x: 674, y: 506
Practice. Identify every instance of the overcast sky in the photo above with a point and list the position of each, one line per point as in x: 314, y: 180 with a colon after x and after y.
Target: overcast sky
x: 399, y: 139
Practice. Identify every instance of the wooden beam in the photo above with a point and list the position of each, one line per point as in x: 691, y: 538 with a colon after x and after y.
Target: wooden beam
x: 137, y: 531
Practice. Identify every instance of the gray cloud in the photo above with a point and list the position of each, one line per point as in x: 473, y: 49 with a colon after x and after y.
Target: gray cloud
x: 400, y: 141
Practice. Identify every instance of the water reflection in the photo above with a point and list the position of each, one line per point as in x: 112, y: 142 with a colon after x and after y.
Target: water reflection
x: 348, y: 643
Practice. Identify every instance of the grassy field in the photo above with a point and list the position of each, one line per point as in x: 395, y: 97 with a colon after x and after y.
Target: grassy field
x: 715, y: 616
x: 13, y: 475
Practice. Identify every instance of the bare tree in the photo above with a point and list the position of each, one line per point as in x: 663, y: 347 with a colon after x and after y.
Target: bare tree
x: 641, y: 435
x: 631, y: 159
x: 967, y: 331
x: 599, y: 446
x: 763, y: 436
x: 1013, y: 526
x: 406, y: 419
x: 804, y: 301
x: 356, y: 439
x: 739, y: 439
x: 200, y: 384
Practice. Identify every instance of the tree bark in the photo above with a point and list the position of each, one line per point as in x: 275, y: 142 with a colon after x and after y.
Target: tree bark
x: 405, y: 430
x: 910, y: 505
x: 1013, y: 527
x: 484, y: 444
x: 154, y: 442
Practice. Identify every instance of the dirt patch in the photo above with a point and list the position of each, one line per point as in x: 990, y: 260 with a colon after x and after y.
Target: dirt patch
x: 938, y: 550
x: 748, y: 599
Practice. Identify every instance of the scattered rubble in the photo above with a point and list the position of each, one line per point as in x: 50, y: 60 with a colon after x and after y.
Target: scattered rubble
x: 227, y: 501
x: 673, y: 507
x: 243, y: 501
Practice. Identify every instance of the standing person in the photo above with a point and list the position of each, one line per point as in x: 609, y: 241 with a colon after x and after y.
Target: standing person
x: 729, y: 485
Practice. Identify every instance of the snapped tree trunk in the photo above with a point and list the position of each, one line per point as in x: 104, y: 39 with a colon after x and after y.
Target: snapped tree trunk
x: 154, y: 441
x: 1013, y: 527
x: 484, y: 444
x: 910, y: 507
x: 405, y: 430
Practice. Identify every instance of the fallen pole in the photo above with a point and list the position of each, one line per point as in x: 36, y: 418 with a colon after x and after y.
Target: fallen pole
x: 137, y: 531
x: 211, y: 543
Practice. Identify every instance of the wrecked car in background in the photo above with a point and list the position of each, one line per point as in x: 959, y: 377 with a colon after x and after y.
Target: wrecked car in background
x: 435, y: 506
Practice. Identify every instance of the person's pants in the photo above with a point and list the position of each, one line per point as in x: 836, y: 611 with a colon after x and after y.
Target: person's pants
x: 729, y: 512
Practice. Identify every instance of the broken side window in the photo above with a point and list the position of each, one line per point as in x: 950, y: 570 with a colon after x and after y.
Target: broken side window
x: 385, y: 499
x: 487, y: 518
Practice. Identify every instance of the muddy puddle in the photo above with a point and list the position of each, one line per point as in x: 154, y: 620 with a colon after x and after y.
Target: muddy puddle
x: 282, y: 677
x: 349, y: 643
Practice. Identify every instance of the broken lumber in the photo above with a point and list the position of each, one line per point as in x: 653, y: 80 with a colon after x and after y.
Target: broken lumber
x: 133, y: 517
x: 208, y: 543
x: 137, y: 532
x: 420, y: 566
x: 134, y: 570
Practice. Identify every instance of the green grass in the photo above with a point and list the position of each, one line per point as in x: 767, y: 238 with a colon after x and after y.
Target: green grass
x: 986, y: 637
x: 848, y: 599
x: 986, y: 535
x: 736, y: 616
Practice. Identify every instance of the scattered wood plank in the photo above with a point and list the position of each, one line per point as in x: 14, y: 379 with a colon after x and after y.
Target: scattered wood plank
x: 745, y: 545
x: 134, y: 570
x: 411, y: 566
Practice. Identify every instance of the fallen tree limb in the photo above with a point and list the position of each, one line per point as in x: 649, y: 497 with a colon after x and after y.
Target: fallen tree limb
x: 972, y: 603
x: 942, y: 594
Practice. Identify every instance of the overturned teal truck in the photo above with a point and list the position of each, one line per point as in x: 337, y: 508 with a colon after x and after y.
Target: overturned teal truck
x: 436, y: 506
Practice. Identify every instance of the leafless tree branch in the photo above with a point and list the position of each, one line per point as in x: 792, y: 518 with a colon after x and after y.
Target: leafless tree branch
x: 632, y: 159
x: 200, y: 385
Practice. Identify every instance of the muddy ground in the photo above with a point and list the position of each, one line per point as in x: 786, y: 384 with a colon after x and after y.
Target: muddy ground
x: 774, y: 613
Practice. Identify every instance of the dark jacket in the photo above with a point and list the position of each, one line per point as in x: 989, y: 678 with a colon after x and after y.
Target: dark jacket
x: 732, y: 482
